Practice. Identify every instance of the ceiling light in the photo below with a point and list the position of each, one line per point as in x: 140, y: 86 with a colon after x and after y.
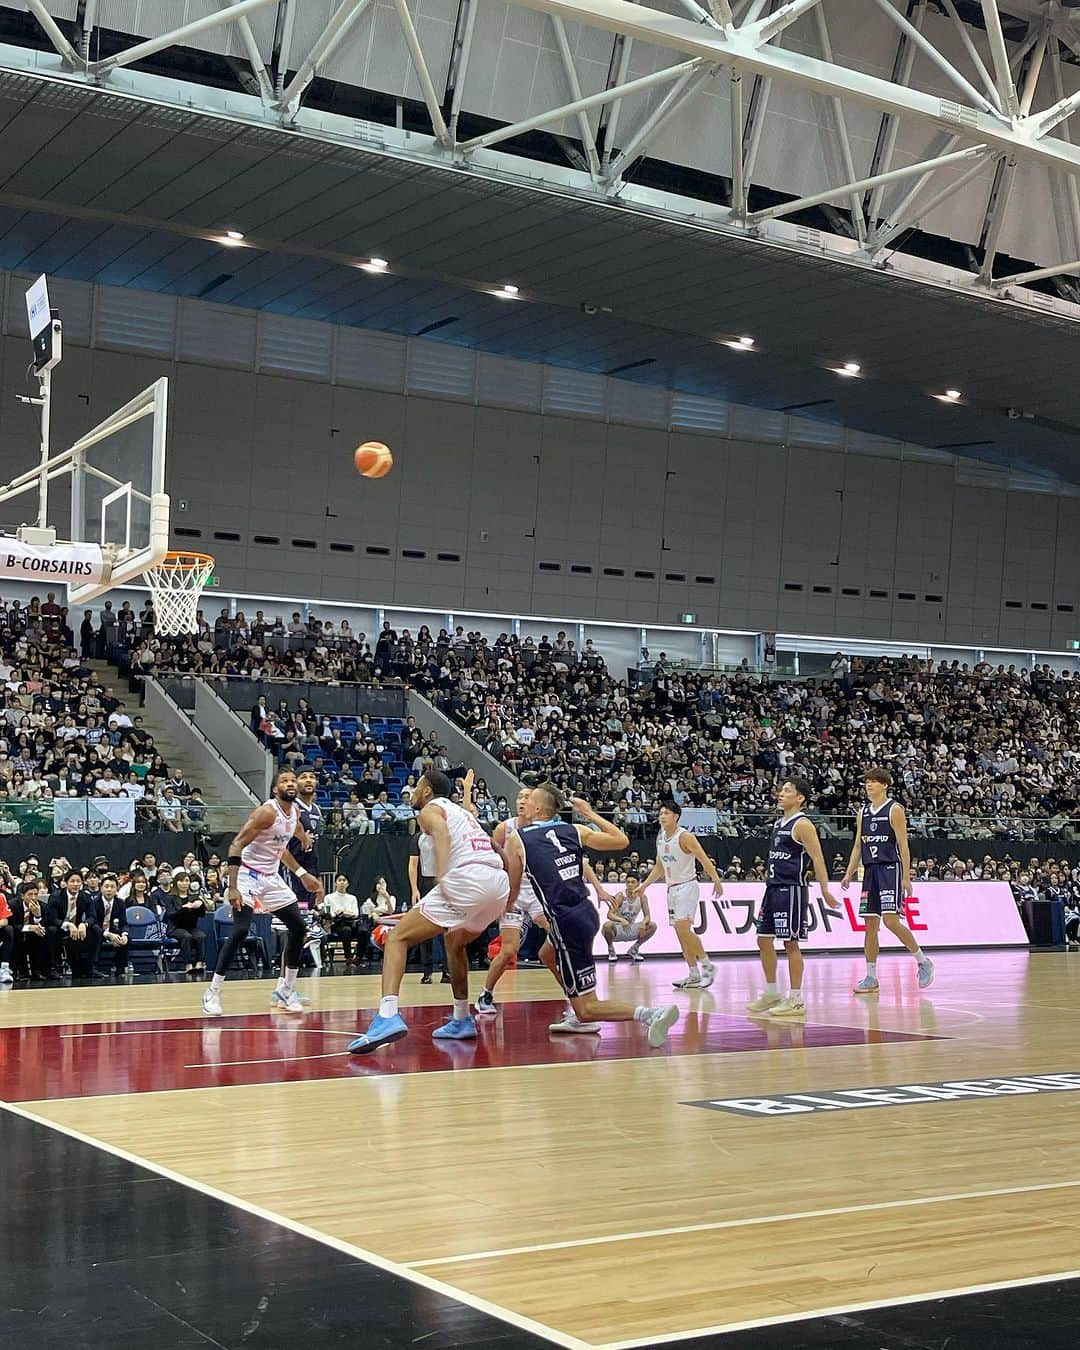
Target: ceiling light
x: 852, y: 368
x: 375, y: 265
x: 234, y: 236
x: 954, y: 394
x: 746, y: 342
x: 742, y: 344
x: 509, y: 290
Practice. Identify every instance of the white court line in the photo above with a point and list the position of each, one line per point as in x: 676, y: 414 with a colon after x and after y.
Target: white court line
x: 285, y: 1059
x: 755, y: 1221
x: 722, y: 1328
x: 347, y: 1248
x: 210, y: 1026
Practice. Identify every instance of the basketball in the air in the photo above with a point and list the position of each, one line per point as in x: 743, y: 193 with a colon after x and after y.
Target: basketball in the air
x: 373, y: 459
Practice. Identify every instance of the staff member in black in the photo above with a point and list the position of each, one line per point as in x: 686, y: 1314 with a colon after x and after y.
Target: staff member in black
x: 182, y: 914
x: 74, y: 917
x: 113, y: 918
x: 37, y: 944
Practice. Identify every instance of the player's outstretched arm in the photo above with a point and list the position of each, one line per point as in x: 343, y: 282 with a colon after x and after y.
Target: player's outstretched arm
x: 606, y: 838
x: 602, y: 896
x: 856, y: 853
x: 898, y: 820
x: 690, y: 843
x: 433, y: 823
x: 515, y: 866
x: 805, y: 833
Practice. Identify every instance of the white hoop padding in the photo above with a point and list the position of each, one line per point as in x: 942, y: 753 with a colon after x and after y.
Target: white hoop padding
x: 176, y: 584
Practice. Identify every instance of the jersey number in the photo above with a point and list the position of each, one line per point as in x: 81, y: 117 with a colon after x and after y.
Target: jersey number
x: 554, y: 840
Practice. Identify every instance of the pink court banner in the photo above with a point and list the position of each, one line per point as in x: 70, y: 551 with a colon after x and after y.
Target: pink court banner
x: 940, y: 914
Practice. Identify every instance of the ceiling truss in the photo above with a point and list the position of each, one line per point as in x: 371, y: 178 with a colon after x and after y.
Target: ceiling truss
x: 995, y: 117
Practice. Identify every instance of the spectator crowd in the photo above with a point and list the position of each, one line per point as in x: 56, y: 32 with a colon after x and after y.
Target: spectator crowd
x: 62, y: 734
x: 980, y: 752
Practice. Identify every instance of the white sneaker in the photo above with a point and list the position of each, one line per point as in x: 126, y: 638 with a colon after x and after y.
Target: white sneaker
x: 691, y: 981
x: 708, y: 974
x: 612, y: 956
x: 660, y: 1023
x: 788, y: 1007
x: 571, y: 1025
x: 763, y: 1003
x: 211, y: 1003
x: 636, y: 956
x: 6, y: 976
x: 287, y: 1000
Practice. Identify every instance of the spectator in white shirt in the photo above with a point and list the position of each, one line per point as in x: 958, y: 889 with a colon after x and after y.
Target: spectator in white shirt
x: 170, y: 810
x: 380, y: 903
x: 342, y: 908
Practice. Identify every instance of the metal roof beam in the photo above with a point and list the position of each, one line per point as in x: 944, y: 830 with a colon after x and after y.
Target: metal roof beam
x: 981, y: 122
x: 1006, y: 88
x: 589, y: 101
x: 420, y: 65
x: 176, y: 36
x: 334, y: 32
x: 70, y: 56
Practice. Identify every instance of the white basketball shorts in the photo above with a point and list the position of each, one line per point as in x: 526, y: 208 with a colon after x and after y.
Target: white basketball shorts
x: 264, y: 892
x: 682, y: 901
x: 526, y: 907
x: 471, y: 896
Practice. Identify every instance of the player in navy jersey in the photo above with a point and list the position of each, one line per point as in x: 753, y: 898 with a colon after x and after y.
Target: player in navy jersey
x: 785, y: 910
x: 305, y: 846
x: 881, y: 845
x: 551, y: 854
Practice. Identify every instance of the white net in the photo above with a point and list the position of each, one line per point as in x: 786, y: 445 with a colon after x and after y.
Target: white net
x: 176, y: 584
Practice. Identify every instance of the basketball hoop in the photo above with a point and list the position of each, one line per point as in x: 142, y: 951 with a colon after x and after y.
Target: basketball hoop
x: 176, y: 584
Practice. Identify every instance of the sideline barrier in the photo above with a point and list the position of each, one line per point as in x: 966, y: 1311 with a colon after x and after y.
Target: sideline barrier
x: 941, y: 914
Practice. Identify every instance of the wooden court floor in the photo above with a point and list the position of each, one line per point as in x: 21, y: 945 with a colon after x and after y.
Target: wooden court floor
x: 571, y: 1185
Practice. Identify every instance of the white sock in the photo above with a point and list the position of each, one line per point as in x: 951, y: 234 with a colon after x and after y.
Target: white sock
x: 796, y: 996
x: 871, y: 969
x: 642, y: 1013
x: 706, y: 964
x: 692, y: 967
x: 217, y: 982
x: 461, y: 1008
x: 570, y: 1015
x: 288, y: 980
x: 771, y: 988
x: 388, y: 1005
x: 919, y: 954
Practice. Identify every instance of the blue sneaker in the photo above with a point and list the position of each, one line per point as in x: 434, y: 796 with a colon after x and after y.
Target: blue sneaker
x: 457, y: 1029
x: 867, y: 985
x: 382, y: 1031
x: 926, y: 973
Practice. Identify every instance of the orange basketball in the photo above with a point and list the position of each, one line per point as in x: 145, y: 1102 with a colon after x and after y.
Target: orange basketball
x: 373, y: 459
x: 383, y: 931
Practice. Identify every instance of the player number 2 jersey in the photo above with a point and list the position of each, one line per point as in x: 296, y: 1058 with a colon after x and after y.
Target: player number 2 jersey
x: 266, y: 850
x: 879, y: 842
x: 469, y: 844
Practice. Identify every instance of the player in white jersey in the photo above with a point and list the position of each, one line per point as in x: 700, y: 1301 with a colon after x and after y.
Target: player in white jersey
x: 472, y: 892
x: 257, y: 886
x: 677, y: 856
x: 525, y: 909
x: 628, y: 920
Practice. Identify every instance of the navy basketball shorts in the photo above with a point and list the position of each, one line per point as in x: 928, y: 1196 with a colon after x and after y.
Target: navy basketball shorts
x: 882, y: 890
x: 784, y: 913
x: 572, y: 932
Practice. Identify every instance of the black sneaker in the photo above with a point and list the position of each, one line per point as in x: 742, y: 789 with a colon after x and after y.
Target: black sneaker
x: 445, y: 977
x: 486, y: 1004
x: 426, y: 977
